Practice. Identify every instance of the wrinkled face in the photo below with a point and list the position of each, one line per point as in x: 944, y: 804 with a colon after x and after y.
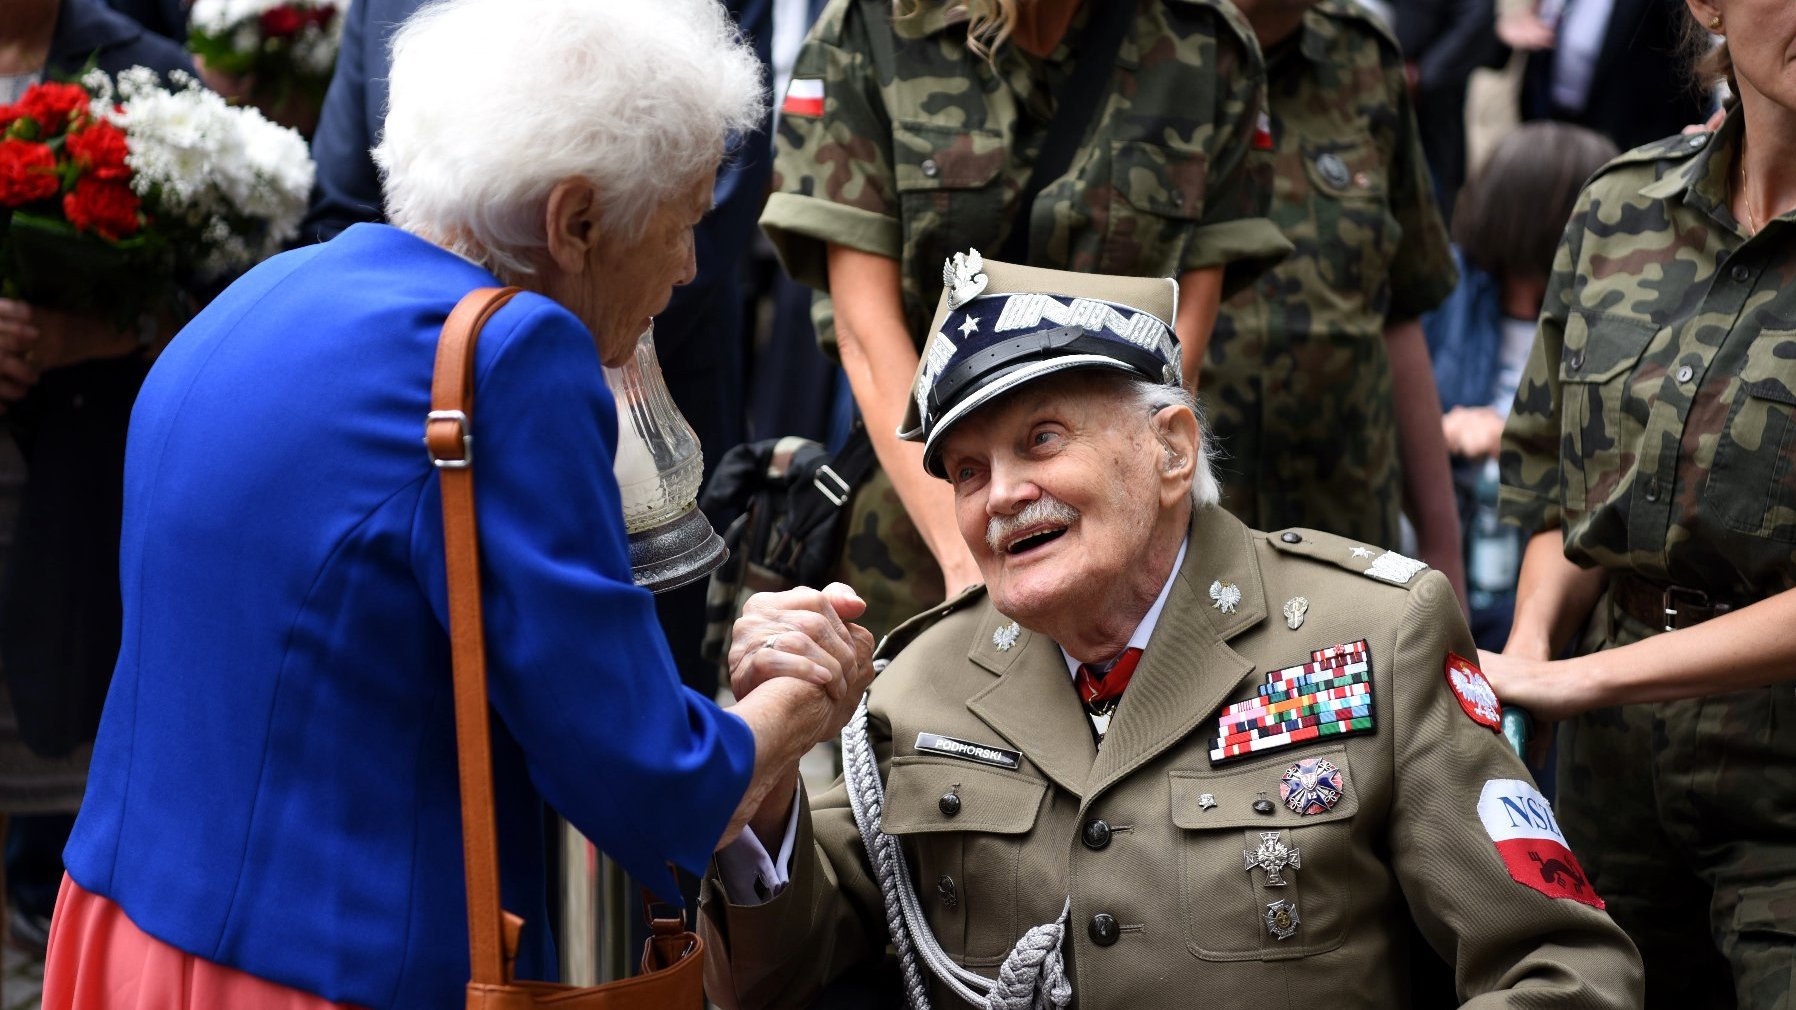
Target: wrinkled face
x: 632, y: 277
x: 1056, y: 492
x: 1761, y: 38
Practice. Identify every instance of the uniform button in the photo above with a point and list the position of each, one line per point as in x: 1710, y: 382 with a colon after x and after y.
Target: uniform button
x: 1097, y: 834
x: 1103, y: 929
x: 949, y: 803
x: 930, y: 168
x: 1698, y: 140
x: 1652, y: 489
x: 1291, y: 538
x: 1262, y: 806
x: 1577, y: 360
x: 1742, y: 274
x: 1685, y: 373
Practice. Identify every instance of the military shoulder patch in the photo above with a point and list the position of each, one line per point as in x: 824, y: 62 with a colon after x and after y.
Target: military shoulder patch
x: 804, y: 97
x: 1473, y: 692
x: 1375, y: 562
x: 1533, y: 849
x: 1331, y: 695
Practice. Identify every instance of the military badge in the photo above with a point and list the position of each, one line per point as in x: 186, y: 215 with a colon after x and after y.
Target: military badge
x: 1312, y: 786
x: 964, y: 278
x: 1225, y: 596
x: 804, y: 97
x: 1331, y: 695
x: 1533, y: 849
x: 1282, y: 920
x: 1005, y: 637
x: 1473, y: 692
x: 1271, y: 856
x: 1295, y: 608
x: 1361, y: 552
x: 1393, y: 567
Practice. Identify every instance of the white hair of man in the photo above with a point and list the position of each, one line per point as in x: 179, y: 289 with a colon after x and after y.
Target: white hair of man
x: 493, y: 102
x: 1151, y: 398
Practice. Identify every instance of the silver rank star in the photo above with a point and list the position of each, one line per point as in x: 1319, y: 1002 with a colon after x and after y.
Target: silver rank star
x: 1005, y: 637
x: 969, y: 327
x: 964, y: 278
x: 1225, y: 596
x: 1295, y: 608
x: 1272, y: 856
x: 1361, y: 552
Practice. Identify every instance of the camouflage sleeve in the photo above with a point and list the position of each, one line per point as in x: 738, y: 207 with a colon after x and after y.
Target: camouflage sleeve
x: 832, y: 168
x: 1422, y: 271
x: 1529, y: 458
x: 1234, y: 231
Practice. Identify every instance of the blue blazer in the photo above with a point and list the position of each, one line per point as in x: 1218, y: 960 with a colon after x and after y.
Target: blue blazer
x: 274, y: 784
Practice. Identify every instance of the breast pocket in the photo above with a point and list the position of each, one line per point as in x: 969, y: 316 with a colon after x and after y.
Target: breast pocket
x: 1752, y: 480
x: 948, y: 189
x: 966, y: 850
x: 1262, y: 887
x: 1601, y: 423
x: 1354, y: 234
x: 1156, y: 199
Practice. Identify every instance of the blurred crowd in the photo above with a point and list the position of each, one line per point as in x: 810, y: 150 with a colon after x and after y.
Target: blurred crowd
x: 1392, y: 333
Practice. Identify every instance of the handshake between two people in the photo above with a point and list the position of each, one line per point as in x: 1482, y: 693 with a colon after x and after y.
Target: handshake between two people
x: 798, y: 667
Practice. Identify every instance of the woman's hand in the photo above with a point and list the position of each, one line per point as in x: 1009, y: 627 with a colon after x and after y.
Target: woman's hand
x: 34, y: 340
x: 806, y: 635
x: 19, y: 338
x: 1472, y: 432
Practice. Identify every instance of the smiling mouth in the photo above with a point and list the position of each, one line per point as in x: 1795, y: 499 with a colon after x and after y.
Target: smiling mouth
x: 1035, y: 539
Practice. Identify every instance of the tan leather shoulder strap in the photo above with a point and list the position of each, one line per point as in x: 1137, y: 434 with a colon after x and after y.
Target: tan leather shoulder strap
x: 449, y: 437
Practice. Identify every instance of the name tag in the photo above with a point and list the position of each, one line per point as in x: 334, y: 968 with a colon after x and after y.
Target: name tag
x: 985, y: 754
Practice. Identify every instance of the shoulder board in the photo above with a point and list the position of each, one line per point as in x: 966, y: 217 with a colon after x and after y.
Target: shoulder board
x: 1373, y: 562
x: 1673, y: 148
x: 905, y: 633
x: 1351, y: 12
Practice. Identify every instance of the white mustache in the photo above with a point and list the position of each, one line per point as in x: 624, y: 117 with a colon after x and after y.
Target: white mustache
x: 1046, y: 509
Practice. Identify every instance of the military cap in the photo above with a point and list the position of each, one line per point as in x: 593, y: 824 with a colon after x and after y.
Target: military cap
x: 1000, y: 325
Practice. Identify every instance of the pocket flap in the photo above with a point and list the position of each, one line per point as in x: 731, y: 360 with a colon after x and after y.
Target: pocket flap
x: 1159, y: 179
x: 1770, y: 366
x: 1599, y: 347
x: 926, y: 157
x: 991, y: 800
x: 1234, y: 790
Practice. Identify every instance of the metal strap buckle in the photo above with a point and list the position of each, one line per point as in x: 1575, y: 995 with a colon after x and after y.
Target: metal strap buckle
x: 838, y: 498
x: 1696, y: 598
x: 467, y: 440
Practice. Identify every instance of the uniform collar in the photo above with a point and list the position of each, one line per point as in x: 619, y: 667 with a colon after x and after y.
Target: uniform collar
x: 932, y: 17
x: 1144, y: 630
x: 1700, y: 181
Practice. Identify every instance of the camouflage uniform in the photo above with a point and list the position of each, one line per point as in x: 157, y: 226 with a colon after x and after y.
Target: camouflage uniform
x: 1297, y: 383
x: 921, y: 149
x: 1656, y: 424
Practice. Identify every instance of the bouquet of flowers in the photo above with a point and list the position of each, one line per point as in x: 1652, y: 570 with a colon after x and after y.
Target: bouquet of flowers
x: 283, y: 49
x: 112, y: 197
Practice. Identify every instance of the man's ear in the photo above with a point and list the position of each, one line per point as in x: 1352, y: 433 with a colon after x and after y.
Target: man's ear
x: 1176, y: 428
x: 571, y: 222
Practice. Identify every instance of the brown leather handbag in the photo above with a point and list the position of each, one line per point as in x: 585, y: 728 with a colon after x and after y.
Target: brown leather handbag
x: 673, y: 959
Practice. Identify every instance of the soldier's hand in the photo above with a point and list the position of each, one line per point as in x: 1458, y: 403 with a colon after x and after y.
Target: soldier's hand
x: 1549, y: 690
x: 805, y: 634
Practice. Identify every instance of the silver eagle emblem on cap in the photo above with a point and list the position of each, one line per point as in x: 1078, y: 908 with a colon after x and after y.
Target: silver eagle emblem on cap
x: 963, y: 277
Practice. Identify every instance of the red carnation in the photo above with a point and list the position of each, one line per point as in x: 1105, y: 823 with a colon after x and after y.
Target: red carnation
x: 100, y: 150
x: 27, y: 173
x: 322, y: 14
x: 53, y: 106
x: 108, y: 209
x: 282, y: 22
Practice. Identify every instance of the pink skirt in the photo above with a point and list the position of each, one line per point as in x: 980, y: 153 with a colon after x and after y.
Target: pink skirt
x: 100, y: 960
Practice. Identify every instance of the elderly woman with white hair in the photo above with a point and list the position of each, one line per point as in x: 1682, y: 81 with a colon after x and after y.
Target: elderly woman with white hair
x: 272, y: 818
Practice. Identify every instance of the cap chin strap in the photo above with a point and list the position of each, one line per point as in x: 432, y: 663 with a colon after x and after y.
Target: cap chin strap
x: 1041, y: 345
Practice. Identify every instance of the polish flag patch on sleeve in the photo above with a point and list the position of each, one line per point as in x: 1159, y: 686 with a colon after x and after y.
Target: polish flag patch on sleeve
x: 1521, y: 822
x: 1473, y: 691
x: 1262, y: 132
x: 804, y: 97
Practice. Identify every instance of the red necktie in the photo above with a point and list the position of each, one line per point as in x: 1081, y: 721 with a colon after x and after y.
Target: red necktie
x: 1100, y: 690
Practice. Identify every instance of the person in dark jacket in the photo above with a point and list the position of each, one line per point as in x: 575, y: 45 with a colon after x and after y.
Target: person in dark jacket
x: 1443, y: 42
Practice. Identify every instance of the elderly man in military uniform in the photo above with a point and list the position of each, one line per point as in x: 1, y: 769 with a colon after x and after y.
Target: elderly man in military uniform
x: 1316, y: 379
x: 1158, y: 758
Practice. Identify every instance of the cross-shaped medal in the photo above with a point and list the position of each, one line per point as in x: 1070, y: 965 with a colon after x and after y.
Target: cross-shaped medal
x: 1272, y: 856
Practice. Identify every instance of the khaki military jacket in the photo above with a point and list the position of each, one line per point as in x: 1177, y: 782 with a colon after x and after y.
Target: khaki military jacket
x: 1656, y: 418
x: 1296, y: 380
x: 919, y: 148
x: 1193, y: 925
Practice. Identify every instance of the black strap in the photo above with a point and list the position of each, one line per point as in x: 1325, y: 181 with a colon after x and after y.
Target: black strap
x: 833, y: 484
x: 1075, y: 101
